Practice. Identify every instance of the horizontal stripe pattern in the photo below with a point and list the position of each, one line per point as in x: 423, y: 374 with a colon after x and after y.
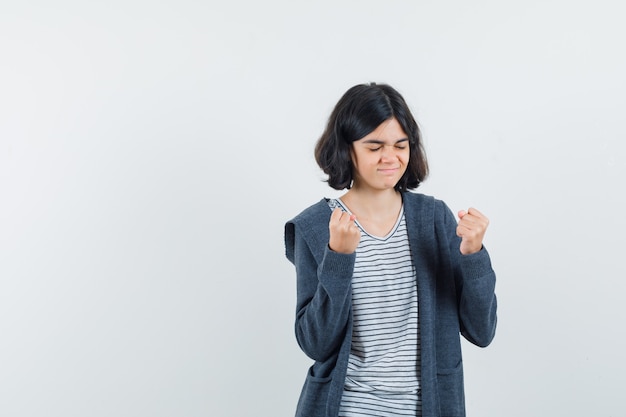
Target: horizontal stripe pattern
x: 383, y: 368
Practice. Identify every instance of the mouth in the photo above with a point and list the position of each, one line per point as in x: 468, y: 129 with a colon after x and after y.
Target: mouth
x: 388, y: 170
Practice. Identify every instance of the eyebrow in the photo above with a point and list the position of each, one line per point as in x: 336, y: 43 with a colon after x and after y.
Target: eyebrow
x: 381, y: 142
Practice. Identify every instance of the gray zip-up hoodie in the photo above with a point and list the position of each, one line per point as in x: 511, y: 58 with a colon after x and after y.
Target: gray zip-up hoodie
x: 455, y: 294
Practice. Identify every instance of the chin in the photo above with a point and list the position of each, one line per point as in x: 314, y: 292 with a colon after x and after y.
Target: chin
x: 388, y: 186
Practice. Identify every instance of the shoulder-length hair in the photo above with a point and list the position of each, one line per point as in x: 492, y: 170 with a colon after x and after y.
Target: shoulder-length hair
x: 359, y: 112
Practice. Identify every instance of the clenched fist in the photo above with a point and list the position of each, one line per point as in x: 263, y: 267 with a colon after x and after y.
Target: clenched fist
x: 471, y: 229
x: 344, y: 233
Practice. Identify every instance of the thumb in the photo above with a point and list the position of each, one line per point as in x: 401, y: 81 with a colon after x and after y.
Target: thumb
x: 461, y: 213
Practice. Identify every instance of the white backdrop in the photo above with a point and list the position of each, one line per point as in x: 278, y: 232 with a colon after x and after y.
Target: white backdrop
x: 150, y: 153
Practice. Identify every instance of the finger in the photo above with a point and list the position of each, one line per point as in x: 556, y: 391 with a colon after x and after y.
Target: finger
x: 462, y: 230
x: 474, y: 216
x: 347, y: 218
x: 336, y: 215
x: 475, y: 212
x: 472, y: 225
x: 461, y: 213
x: 339, y: 217
x: 478, y: 216
x: 469, y: 221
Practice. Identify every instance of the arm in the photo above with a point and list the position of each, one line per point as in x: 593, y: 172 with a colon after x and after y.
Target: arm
x: 474, y: 281
x: 323, y: 298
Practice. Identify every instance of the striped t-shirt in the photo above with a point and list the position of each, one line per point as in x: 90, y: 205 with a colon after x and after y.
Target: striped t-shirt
x: 384, y: 365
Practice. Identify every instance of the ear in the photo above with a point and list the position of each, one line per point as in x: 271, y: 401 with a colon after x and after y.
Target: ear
x: 352, y: 155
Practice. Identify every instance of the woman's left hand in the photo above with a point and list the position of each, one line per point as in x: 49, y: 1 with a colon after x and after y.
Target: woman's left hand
x: 471, y: 229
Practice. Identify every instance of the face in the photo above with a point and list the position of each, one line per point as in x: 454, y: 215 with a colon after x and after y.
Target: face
x: 381, y: 158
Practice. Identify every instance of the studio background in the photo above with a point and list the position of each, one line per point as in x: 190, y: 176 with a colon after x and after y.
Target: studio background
x: 151, y: 152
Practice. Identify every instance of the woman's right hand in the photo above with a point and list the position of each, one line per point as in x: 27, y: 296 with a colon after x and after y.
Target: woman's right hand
x: 344, y: 233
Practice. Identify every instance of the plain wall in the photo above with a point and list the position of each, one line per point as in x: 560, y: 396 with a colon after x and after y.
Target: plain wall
x: 151, y: 152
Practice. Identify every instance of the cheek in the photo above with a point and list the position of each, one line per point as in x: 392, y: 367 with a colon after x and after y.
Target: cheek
x: 362, y: 159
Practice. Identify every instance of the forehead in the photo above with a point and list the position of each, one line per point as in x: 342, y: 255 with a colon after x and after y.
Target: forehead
x: 388, y: 131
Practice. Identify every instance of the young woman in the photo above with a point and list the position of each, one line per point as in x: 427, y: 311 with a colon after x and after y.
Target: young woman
x: 387, y: 280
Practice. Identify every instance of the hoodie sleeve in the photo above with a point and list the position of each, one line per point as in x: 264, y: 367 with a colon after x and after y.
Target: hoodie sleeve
x: 323, y: 292
x: 475, y: 282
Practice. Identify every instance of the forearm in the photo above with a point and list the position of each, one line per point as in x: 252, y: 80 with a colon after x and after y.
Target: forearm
x: 477, y: 301
x: 324, y: 300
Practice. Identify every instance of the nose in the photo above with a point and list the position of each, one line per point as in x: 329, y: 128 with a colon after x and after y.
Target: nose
x: 388, y: 152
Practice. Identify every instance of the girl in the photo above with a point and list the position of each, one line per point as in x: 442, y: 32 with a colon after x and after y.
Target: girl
x: 387, y: 279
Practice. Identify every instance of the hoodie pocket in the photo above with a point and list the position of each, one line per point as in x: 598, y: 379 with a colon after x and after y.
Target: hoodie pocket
x: 314, y: 396
x: 451, y: 392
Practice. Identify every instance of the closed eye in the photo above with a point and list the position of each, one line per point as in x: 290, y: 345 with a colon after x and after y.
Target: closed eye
x: 376, y: 145
x: 378, y: 148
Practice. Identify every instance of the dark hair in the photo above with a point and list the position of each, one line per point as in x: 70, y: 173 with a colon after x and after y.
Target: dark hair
x: 359, y: 112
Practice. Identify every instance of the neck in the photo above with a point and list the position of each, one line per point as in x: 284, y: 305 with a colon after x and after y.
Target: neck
x: 368, y: 203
